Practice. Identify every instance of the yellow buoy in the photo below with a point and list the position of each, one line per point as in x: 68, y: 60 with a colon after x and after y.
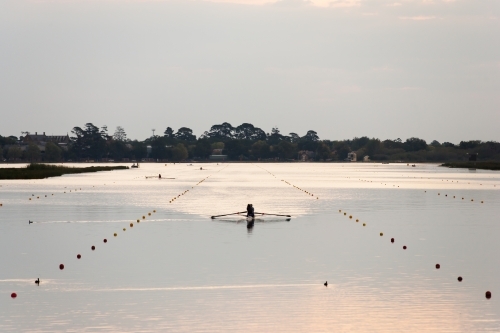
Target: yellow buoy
x: 345, y: 213
x: 138, y: 220
x: 340, y: 210
x: 131, y: 225
x: 350, y: 216
x: 364, y: 224
x: 357, y: 220
x: 115, y: 234
x: 381, y: 234
x: 154, y: 211
x: 143, y: 217
x: 149, y: 213
x: 124, y: 229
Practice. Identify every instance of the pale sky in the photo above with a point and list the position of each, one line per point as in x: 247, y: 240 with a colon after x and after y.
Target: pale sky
x: 345, y: 68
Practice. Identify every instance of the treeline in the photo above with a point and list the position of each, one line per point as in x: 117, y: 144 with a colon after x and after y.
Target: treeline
x: 241, y: 143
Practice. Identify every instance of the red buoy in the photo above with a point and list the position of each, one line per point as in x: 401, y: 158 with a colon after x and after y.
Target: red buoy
x: 404, y: 247
x: 105, y: 240
x: 78, y: 256
x: 459, y: 279
x: 13, y: 295
x: 438, y: 266
x: 488, y: 294
x: 93, y: 247
x: 61, y: 266
x: 392, y: 240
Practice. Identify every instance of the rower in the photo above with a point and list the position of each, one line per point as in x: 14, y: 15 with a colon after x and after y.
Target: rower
x: 29, y: 221
x: 250, y: 211
x: 159, y: 176
x: 37, y: 281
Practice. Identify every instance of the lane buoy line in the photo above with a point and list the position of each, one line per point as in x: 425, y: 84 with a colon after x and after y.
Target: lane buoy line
x: 439, y: 193
x: 52, y: 194
x: 172, y: 200
x: 288, y: 183
x: 453, y: 181
x: 105, y: 240
x: 381, y: 234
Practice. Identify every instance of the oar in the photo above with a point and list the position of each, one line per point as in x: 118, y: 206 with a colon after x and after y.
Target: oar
x: 274, y: 214
x: 227, y: 214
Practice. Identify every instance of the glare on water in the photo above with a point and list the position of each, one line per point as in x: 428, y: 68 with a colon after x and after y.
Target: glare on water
x: 178, y: 270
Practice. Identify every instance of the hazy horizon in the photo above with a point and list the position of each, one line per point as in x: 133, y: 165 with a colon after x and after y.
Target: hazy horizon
x: 348, y: 68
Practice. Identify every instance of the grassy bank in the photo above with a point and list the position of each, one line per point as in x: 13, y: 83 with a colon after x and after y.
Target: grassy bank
x: 40, y: 171
x: 476, y: 165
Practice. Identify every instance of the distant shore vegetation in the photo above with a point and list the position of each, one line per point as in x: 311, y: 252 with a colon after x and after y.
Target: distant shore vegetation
x: 245, y: 142
x: 40, y: 171
x: 473, y: 165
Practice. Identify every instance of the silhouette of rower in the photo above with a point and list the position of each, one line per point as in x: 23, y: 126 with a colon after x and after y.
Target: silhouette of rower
x: 159, y: 176
x: 29, y: 221
x: 250, y: 211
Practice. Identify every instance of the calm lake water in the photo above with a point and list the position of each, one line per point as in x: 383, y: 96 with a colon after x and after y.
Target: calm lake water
x: 180, y: 271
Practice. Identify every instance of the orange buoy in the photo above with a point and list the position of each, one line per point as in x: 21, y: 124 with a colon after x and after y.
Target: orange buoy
x: 149, y: 213
x: 392, y: 240
x: 357, y: 220
x: 488, y: 294
x: 61, y: 266
x: 131, y: 225
x: 105, y: 240
x: 78, y: 256
x: 404, y: 247
x: 93, y: 247
x: 13, y: 295
x: 350, y: 216
x: 438, y: 266
x: 459, y: 279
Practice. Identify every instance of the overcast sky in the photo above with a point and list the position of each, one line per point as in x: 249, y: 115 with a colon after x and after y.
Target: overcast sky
x: 346, y: 68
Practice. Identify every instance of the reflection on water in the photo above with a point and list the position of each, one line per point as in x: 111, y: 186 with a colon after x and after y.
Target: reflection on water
x: 178, y: 270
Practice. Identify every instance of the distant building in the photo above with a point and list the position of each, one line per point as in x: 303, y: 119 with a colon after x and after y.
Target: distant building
x: 218, y: 157
x: 351, y: 157
x: 305, y: 155
x: 42, y: 139
x: 366, y: 158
